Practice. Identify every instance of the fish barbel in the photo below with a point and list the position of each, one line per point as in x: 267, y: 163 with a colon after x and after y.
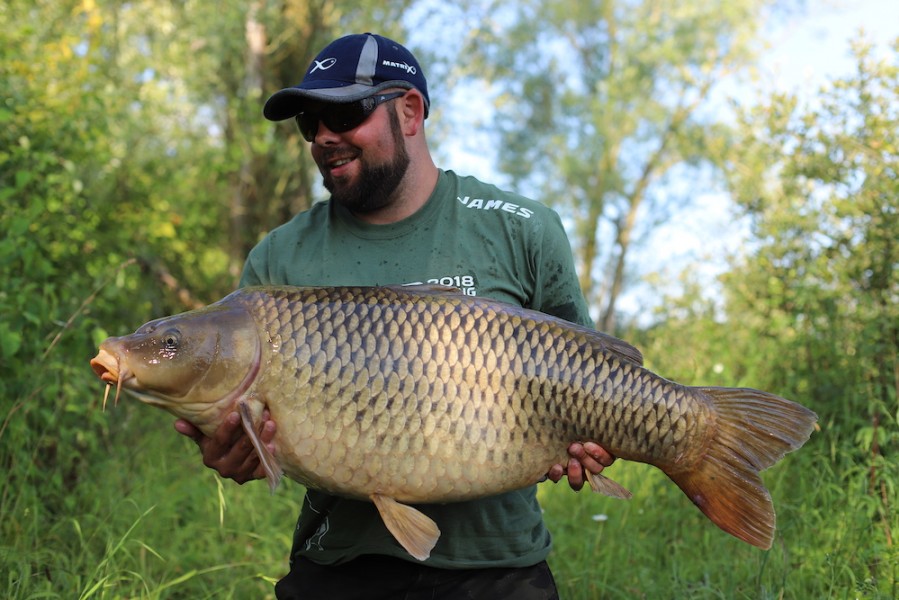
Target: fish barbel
x: 421, y: 394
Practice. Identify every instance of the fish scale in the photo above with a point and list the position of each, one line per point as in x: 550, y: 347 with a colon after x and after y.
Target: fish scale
x: 422, y: 394
x: 389, y: 350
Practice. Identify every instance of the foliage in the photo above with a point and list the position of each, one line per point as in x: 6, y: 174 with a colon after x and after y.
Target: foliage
x: 823, y: 285
x: 125, y: 131
x: 812, y: 310
x: 86, y: 225
x: 599, y: 101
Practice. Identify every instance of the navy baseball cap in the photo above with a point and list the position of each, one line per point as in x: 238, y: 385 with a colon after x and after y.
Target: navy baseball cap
x: 349, y: 69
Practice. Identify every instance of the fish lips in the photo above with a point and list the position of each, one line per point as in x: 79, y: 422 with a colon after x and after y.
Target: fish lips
x: 106, y: 366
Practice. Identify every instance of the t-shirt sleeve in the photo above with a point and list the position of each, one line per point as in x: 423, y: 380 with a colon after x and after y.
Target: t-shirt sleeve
x: 557, y: 290
x: 254, y: 271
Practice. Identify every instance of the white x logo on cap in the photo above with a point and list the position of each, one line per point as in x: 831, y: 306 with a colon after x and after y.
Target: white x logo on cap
x: 324, y: 65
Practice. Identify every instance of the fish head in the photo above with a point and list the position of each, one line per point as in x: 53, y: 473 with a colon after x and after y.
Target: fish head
x: 195, y: 365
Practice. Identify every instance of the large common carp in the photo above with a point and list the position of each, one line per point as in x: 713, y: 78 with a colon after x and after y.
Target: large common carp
x: 405, y: 395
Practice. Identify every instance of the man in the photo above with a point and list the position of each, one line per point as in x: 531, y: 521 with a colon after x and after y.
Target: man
x: 395, y: 218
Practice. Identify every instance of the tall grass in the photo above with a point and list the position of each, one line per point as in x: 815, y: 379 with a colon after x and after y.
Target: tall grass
x: 829, y: 543
x: 145, y: 520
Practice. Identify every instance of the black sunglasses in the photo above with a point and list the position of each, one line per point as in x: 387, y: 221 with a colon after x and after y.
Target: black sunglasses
x: 341, y: 117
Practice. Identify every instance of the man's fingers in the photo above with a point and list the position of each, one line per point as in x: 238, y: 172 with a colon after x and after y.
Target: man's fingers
x: 575, y: 474
x: 249, y: 470
x: 187, y: 429
x: 588, y: 463
x: 591, y: 456
x: 586, y: 459
x: 556, y: 473
x: 252, y: 464
x: 229, y: 450
x: 228, y: 432
x: 268, y: 432
x: 599, y: 454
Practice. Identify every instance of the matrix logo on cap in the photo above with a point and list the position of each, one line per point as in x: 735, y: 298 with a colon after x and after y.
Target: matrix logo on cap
x: 323, y: 65
x: 407, y: 68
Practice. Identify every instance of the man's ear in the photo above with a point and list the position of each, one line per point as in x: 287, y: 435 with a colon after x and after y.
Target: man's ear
x: 412, y: 108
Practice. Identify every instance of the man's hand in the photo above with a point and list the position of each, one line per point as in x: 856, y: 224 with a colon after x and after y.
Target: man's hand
x: 229, y: 450
x: 586, y: 457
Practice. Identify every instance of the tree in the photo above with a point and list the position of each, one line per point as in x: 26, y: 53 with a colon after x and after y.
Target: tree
x: 820, y: 185
x: 597, y: 101
x: 818, y: 295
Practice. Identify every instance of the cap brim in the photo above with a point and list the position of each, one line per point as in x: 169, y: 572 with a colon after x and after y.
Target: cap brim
x: 289, y: 102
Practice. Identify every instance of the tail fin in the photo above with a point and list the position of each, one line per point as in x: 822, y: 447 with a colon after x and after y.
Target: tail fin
x: 753, y: 431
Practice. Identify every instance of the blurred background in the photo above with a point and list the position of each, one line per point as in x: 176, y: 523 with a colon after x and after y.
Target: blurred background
x: 726, y: 170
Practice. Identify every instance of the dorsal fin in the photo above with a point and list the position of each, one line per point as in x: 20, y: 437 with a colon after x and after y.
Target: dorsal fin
x: 620, y: 348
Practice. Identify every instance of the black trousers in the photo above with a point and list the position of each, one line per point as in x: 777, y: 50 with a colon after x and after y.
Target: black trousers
x: 387, y: 578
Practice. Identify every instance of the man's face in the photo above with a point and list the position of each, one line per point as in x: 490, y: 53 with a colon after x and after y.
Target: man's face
x: 363, y: 167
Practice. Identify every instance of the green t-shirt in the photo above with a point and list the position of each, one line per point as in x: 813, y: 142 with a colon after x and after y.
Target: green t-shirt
x: 469, y: 235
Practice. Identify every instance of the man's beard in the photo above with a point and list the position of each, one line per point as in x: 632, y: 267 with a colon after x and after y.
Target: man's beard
x: 376, y: 184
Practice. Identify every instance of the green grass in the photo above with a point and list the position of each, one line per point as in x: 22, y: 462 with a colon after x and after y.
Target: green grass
x: 658, y: 545
x: 142, y: 518
x: 146, y: 520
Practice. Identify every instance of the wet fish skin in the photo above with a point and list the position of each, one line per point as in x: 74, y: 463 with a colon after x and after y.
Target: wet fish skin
x: 443, y: 393
x: 411, y: 395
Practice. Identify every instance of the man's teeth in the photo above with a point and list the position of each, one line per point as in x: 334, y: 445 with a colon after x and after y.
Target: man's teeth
x: 340, y: 163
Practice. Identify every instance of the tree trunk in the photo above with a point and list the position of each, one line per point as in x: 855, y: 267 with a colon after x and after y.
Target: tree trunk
x: 244, y: 188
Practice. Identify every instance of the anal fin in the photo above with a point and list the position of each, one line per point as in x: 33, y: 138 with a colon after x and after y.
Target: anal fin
x: 603, y: 485
x: 414, y: 530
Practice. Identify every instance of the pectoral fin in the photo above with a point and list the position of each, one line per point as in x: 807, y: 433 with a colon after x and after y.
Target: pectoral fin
x: 602, y: 484
x: 272, y: 469
x: 415, y: 531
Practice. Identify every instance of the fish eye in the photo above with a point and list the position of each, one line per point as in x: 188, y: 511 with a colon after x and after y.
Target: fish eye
x: 171, y: 339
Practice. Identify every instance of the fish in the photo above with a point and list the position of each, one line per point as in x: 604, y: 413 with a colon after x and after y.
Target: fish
x: 405, y: 395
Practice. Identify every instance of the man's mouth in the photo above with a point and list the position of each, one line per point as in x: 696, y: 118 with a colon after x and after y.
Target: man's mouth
x: 337, y: 161
x: 339, y: 167
x: 340, y: 162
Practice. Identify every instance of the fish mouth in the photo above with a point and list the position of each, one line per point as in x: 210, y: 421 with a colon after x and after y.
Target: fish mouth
x: 108, y: 368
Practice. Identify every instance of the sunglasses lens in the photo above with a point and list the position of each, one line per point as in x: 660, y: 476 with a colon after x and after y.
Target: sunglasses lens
x: 308, y: 124
x: 345, y: 117
x: 340, y: 118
